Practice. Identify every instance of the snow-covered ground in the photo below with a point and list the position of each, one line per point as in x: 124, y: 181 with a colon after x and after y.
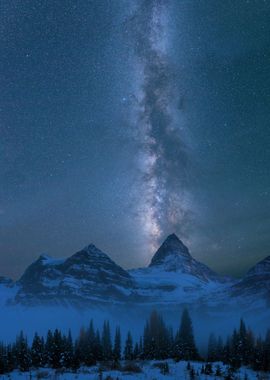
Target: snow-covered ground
x: 149, y: 370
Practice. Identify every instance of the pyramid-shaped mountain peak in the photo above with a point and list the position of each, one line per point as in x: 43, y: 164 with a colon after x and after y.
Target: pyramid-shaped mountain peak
x: 172, y: 246
x: 262, y: 267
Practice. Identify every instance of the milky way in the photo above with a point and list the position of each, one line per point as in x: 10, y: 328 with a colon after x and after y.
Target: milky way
x: 162, y: 158
x: 123, y: 121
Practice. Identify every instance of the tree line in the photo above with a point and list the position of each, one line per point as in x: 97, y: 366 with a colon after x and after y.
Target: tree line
x: 158, y: 342
x: 241, y: 348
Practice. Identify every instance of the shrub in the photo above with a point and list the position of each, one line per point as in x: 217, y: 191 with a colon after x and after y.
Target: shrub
x: 42, y: 375
x: 131, y: 367
x: 163, y: 366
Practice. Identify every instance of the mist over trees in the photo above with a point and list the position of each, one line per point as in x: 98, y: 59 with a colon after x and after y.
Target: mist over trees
x: 157, y: 342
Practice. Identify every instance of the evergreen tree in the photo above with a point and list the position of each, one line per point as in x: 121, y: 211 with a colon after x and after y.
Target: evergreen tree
x: 81, y: 346
x: 106, y: 341
x: 156, y: 338
x: 185, y: 348
x: 157, y: 343
x: 68, y: 350
x: 141, y: 347
x: 37, y: 351
x: 98, y: 347
x: 227, y: 350
x: 250, y: 342
x: 90, y: 357
x: 128, y: 351
x: 220, y: 349
x: 76, y: 360
x: 212, y: 348
x: 57, y: 350
x: 117, y: 344
x: 243, y: 343
x: 147, y: 342
x: 11, y: 359
x: 266, y: 361
x: 258, y: 359
x: 23, y: 354
x: 48, y: 349
x: 3, y: 358
x: 234, y: 353
x: 136, y: 353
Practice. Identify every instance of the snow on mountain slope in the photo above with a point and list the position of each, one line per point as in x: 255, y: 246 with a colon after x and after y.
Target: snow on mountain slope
x: 175, y: 276
x: 68, y: 292
x: 89, y: 278
x: 256, y: 283
x: 8, y: 290
x: 174, y: 256
x: 88, y: 275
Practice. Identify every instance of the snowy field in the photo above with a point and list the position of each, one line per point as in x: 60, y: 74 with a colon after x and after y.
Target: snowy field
x: 152, y: 370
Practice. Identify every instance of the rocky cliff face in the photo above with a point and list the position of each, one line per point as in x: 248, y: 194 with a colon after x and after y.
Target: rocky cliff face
x: 256, y: 282
x: 174, y: 256
x: 88, y: 275
x: 174, y: 277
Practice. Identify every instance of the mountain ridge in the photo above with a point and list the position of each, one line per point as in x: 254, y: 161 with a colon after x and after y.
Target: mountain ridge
x: 173, y: 276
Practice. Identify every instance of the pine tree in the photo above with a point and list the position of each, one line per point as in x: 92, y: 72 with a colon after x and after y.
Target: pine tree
x: 128, y: 351
x: 250, y: 342
x: 23, y: 354
x: 106, y: 341
x: 68, y: 350
x: 98, y: 347
x: 81, y: 346
x: 147, y: 342
x: 90, y: 357
x: 141, y: 348
x: 76, y: 359
x: 258, y: 359
x: 136, y: 352
x: 11, y: 357
x: 212, y: 348
x: 37, y: 351
x: 117, y: 345
x: 3, y: 358
x: 243, y: 343
x: 235, y: 357
x: 57, y: 350
x: 49, y: 349
x: 156, y: 338
x: 185, y: 348
x: 266, y: 363
x: 220, y: 349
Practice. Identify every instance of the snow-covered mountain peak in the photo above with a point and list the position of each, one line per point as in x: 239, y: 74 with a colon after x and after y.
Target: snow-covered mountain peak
x: 87, y: 276
x: 256, y: 282
x: 92, y: 251
x: 90, y: 277
x: 44, y: 257
x: 262, y: 267
x: 172, y: 249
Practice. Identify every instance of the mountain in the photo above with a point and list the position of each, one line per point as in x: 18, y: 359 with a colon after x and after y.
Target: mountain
x: 256, y: 283
x: 174, y: 256
x: 87, y: 276
x: 173, y: 278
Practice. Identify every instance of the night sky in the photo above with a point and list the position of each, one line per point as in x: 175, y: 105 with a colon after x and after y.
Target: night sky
x: 122, y: 121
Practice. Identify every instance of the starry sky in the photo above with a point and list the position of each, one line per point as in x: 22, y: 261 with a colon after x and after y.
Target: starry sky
x: 122, y: 121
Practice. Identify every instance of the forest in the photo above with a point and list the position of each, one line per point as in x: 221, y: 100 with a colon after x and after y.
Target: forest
x: 157, y: 342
